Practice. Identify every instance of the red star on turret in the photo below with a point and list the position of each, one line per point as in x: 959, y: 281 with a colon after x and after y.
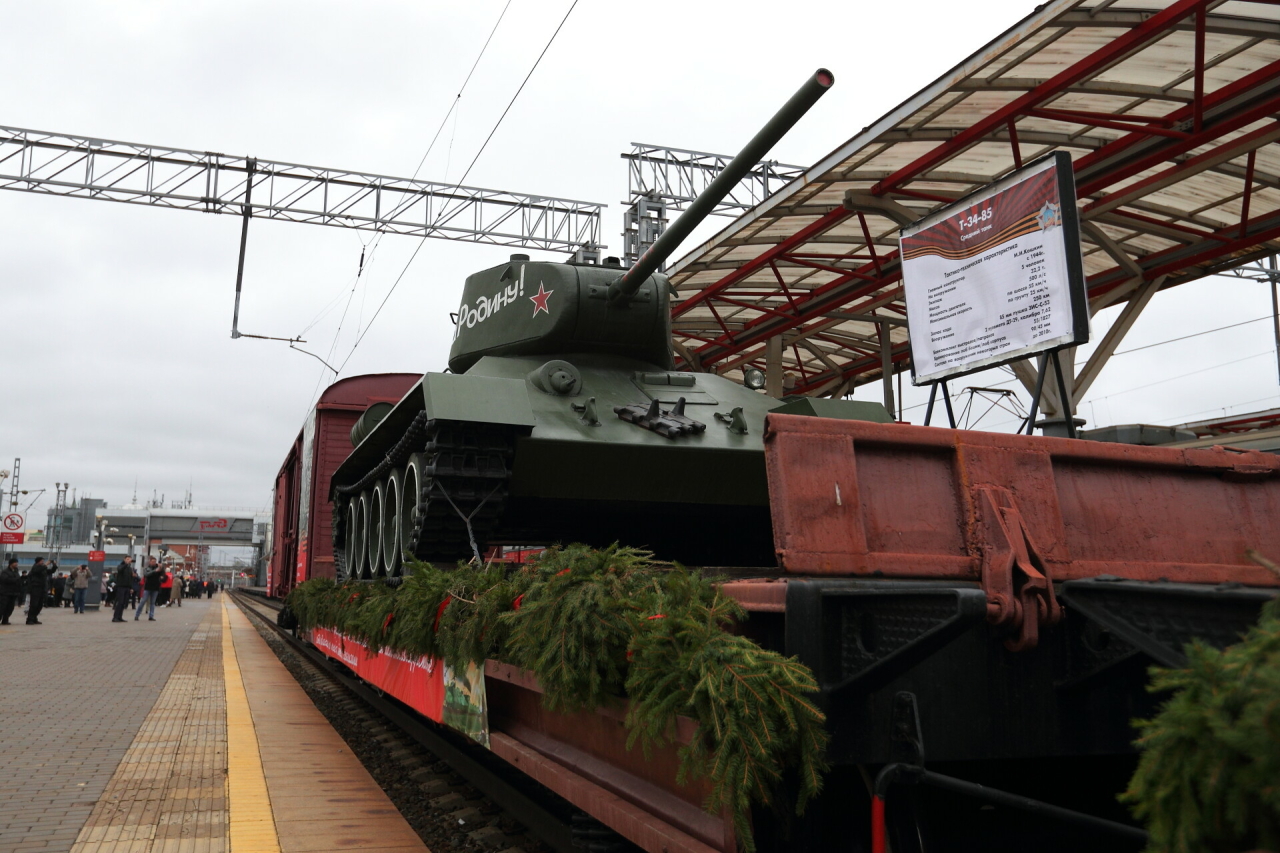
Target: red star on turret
x: 540, y: 300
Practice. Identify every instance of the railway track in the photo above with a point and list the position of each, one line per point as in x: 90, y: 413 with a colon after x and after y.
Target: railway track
x: 454, y: 793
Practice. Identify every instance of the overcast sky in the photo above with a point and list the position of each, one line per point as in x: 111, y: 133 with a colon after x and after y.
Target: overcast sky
x: 117, y: 361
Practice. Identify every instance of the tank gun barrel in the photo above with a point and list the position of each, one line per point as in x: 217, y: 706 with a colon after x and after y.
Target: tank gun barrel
x: 814, y: 88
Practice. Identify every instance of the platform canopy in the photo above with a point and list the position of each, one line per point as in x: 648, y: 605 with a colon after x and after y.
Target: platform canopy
x: 1169, y: 112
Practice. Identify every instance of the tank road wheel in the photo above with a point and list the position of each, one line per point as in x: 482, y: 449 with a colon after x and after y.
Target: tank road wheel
x: 339, y: 530
x: 463, y: 476
x: 391, y: 523
x: 360, y: 568
x: 410, y: 500
x: 374, y: 541
x: 344, y: 520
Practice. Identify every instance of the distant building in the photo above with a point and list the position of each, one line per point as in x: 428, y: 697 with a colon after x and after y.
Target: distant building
x: 77, y: 522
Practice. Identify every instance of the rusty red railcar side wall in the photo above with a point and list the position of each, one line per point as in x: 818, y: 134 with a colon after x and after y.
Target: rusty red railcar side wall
x: 1015, y: 513
x: 856, y: 498
x: 302, y: 531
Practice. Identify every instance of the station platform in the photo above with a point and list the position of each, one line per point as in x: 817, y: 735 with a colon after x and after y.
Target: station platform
x: 183, y: 735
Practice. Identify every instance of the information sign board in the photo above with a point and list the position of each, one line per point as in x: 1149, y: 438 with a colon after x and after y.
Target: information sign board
x: 997, y: 276
x: 13, y: 529
x: 97, y: 556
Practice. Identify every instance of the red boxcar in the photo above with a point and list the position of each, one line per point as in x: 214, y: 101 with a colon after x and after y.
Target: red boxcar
x: 302, y: 514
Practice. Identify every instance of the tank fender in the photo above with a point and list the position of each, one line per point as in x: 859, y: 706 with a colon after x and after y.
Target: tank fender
x: 479, y: 399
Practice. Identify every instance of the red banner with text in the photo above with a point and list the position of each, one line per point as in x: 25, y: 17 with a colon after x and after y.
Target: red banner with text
x: 419, y: 683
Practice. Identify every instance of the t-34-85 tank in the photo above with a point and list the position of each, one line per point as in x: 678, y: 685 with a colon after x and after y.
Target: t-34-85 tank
x: 561, y: 418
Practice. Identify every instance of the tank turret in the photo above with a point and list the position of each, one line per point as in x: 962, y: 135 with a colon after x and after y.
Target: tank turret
x: 525, y: 308
x: 562, y: 419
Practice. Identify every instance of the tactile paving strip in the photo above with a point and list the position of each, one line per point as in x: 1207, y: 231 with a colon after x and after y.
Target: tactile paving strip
x: 169, y: 793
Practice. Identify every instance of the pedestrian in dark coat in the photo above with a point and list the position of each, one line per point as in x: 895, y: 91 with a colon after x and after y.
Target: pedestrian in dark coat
x: 59, y: 584
x: 37, y: 589
x: 10, y: 588
x: 125, y: 577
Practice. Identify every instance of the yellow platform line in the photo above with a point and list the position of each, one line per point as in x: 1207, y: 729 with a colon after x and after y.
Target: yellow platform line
x: 250, y: 820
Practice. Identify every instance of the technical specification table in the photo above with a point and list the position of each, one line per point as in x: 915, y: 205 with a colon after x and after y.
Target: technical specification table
x: 991, y: 279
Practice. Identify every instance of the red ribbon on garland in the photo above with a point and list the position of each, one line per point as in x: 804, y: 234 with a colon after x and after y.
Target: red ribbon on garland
x: 515, y: 605
x: 656, y: 616
x: 386, y: 623
x: 435, y: 628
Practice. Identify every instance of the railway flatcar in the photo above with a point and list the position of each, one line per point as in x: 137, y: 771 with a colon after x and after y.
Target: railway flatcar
x: 991, y: 602
x: 302, y: 514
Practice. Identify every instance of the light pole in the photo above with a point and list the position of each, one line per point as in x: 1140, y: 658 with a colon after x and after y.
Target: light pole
x: 98, y: 568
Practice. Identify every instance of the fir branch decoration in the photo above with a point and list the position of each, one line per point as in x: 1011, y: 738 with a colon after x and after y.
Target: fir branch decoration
x: 1209, y: 775
x: 598, y: 625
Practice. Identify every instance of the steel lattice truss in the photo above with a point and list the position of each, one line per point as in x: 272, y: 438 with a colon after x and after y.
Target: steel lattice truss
x: 678, y: 176
x: 57, y: 164
x: 1169, y: 110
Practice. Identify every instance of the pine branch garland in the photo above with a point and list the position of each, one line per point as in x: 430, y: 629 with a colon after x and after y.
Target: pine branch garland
x: 598, y: 625
x: 1209, y: 775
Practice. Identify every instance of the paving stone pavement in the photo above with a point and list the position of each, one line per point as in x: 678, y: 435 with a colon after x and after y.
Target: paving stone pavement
x: 73, y: 694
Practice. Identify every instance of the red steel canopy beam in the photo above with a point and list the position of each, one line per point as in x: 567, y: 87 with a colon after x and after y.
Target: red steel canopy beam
x: 1266, y: 228
x: 1091, y: 64
x: 818, y: 226
x: 884, y: 270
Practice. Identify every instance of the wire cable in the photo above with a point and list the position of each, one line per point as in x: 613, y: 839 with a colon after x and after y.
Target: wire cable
x: 463, y: 88
x: 1193, y: 335
x: 496, y: 125
x: 536, y: 63
x: 373, y: 245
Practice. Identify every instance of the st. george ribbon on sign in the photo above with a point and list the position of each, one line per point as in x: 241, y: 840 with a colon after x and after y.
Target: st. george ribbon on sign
x: 997, y: 276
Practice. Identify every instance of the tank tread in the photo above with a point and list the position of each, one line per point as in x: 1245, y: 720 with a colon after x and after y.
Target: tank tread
x: 468, y: 473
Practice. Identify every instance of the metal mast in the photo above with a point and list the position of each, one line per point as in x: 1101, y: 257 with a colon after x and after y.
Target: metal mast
x: 661, y: 179
x: 54, y: 544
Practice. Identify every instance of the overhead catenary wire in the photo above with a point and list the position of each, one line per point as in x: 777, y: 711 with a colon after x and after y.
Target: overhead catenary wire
x: 372, y: 247
x: 474, y: 160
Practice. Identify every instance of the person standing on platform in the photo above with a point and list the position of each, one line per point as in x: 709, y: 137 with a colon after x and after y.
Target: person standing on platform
x: 125, y: 577
x: 179, y: 587
x: 79, y: 584
x: 58, y: 585
x: 150, y: 591
x: 209, y: 588
x: 37, y: 589
x: 10, y: 588
x: 165, y: 598
x: 68, y: 589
